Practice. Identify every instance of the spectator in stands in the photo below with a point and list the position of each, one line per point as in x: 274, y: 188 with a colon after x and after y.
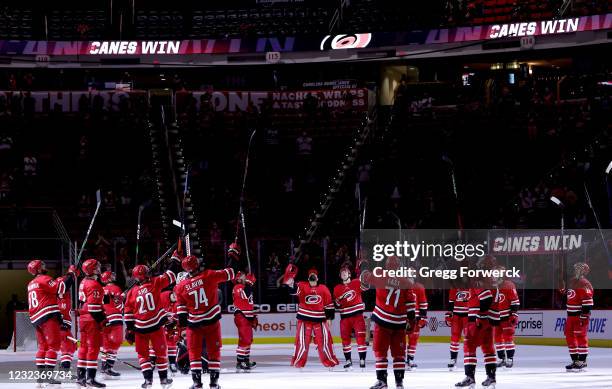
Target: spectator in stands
x: 102, y: 248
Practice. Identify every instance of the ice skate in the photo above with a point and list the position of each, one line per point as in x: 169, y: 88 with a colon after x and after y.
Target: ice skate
x: 91, y: 380
x: 379, y: 385
x: 451, y: 364
x: 92, y: 383
x: 147, y: 384
x: 173, y: 368
x: 165, y: 383
x: 501, y: 363
x: 509, y: 363
x: 251, y: 364
x: 572, y: 367
x: 362, y: 364
x: 111, y: 374
x: 468, y: 382
x: 489, y: 383
x: 348, y: 365
x: 242, y: 367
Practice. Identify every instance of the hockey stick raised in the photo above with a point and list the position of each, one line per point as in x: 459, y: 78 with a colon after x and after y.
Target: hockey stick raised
x: 93, y: 219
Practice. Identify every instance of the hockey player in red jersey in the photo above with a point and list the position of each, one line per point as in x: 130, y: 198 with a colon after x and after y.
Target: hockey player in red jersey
x: 46, y: 317
x: 168, y: 301
x: 457, y: 319
x: 244, y: 318
x: 91, y: 318
x: 394, y: 314
x: 421, y: 321
x: 315, y: 307
x: 198, y: 310
x: 479, y: 333
x: 579, y: 302
x: 347, y: 297
x: 112, y: 334
x: 68, y: 342
x: 508, y: 305
x: 145, y: 318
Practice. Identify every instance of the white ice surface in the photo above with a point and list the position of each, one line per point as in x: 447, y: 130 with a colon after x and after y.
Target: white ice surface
x: 538, y: 367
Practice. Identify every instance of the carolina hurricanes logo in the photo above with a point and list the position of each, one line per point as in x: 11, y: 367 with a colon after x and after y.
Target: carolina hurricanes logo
x: 463, y: 296
x: 501, y: 297
x: 571, y: 293
x: 346, y: 41
x: 313, y: 299
x: 349, y: 295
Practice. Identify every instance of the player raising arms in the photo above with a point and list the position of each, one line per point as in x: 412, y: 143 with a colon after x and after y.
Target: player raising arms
x: 394, y: 314
x: 579, y: 302
x: 244, y: 318
x: 112, y: 335
x: 347, y: 297
x: 45, y: 315
x: 198, y: 310
x: 315, y: 307
x: 145, y: 317
x: 508, y: 305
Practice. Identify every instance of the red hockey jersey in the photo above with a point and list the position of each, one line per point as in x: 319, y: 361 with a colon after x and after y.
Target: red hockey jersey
x: 42, y: 298
x: 168, y: 304
x: 348, y: 298
x: 458, y: 301
x: 243, y: 301
x: 197, y: 297
x: 314, y: 302
x: 508, y: 300
x: 421, y: 300
x: 579, y: 297
x: 91, y: 297
x: 394, y: 307
x: 479, y: 303
x: 143, y: 305
x: 114, y: 307
x: 65, y: 305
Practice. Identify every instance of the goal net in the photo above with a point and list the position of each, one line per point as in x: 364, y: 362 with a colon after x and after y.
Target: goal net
x: 24, y: 334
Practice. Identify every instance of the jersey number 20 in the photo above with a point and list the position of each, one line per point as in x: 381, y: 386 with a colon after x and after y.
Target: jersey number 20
x: 147, y: 300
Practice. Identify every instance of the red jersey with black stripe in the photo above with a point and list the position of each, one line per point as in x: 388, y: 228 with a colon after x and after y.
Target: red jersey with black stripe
x: 114, y: 308
x: 91, y: 296
x: 348, y: 298
x: 168, y: 301
x: 479, y: 303
x: 421, y: 300
x: 198, y: 297
x: 394, y: 307
x: 143, y: 305
x: 579, y: 297
x: 313, y: 302
x: 43, y: 292
x: 65, y: 305
x: 508, y: 299
x: 458, y: 299
x: 243, y: 301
